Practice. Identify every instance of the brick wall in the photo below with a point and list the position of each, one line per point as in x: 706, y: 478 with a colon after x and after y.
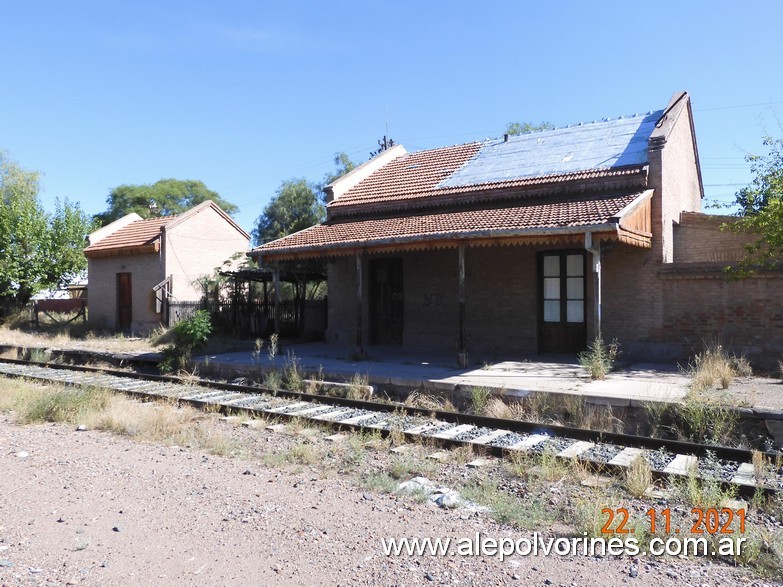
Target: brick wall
x: 666, y: 311
x: 657, y: 311
x: 501, y: 300
x: 431, y: 315
x: 698, y: 238
x: 745, y: 315
x: 673, y: 173
x: 146, y: 271
x: 341, y: 281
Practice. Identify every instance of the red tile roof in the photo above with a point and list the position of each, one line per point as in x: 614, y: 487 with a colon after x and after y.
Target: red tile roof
x: 135, y: 234
x: 409, y: 174
x: 146, y: 233
x: 498, y: 222
x: 413, y: 179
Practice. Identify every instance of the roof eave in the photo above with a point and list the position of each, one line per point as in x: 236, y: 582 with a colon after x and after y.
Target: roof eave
x: 145, y: 249
x: 607, y: 228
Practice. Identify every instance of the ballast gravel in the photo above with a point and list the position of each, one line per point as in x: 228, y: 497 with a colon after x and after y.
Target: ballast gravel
x: 91, y: 508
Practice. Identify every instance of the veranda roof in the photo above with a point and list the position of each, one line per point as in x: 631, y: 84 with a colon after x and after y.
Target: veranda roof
x: 624, y: 217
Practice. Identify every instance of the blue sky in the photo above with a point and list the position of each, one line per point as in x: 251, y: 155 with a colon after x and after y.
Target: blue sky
x: 243, y: 95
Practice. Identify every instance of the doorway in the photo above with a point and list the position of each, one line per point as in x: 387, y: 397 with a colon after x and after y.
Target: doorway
x: 561, y: 309
x: 386, y: 301
x: 124, y: 301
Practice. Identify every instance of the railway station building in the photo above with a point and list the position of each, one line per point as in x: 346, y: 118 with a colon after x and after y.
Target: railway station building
x: 535, y: 244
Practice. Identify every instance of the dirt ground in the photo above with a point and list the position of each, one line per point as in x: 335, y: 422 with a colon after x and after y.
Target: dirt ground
x: 91, y: 508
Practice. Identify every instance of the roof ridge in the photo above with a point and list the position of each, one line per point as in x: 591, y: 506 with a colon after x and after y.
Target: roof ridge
x: 469, y: 143
x: 583, y: 123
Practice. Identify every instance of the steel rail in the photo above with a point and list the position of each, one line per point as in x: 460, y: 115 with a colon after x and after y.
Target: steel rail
x: 676, y: 447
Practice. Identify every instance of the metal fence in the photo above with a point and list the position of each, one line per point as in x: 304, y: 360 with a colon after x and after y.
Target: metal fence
x: 300, y: 319
x: 176, y: 311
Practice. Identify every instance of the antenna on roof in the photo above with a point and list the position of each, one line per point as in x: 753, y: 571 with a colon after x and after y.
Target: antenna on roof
x: 385, y: 142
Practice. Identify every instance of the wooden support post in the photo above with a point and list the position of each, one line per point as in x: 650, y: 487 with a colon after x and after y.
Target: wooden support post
x: 276, y: 277
x: 359, y: 306
x: 462, y: 359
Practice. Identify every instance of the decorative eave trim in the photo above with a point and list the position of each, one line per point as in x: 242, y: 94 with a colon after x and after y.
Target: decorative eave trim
x: 477, y: 238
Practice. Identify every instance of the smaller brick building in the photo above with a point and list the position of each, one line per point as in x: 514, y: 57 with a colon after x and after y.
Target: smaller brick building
x: 135, y: 266
x: 535, y: 244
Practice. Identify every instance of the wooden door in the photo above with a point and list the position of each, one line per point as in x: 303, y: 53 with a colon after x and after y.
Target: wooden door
x: 124, y: 301
x: 561, y: 309
x: 386, y: 301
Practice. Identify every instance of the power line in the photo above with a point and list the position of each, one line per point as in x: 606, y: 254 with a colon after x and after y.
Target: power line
x: 737, y: 106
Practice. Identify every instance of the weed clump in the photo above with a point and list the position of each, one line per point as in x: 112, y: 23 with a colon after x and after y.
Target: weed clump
x: 479, y: 396
x: 716, y: 367
x: 599, y: 358
x: 189, y: 334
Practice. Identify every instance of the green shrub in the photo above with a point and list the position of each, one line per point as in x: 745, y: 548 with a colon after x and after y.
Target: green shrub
x: 599, y: 358
x: 188, y: 335
x: 194, y: 331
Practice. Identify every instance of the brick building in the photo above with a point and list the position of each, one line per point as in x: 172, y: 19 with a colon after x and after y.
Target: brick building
x: 135, y: 267
x: 534, y: 243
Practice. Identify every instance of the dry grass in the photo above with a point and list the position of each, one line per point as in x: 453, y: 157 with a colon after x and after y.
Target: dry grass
x: 464, y: 454
x: 99, y: 409
x: 638, y: 477
x: 428, y: 401
x: 564, y: 409
x: 497, y: 408
x: 74, y: 337
x: 716, y: 367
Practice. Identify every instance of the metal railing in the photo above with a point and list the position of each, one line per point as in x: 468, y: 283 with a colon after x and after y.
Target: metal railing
x: 301, y: 319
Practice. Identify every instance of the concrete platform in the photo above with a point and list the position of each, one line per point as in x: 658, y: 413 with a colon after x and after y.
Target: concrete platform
x: 394, y: 368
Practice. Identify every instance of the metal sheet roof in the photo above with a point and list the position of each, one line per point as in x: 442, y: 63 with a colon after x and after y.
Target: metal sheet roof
x: 596, y: 145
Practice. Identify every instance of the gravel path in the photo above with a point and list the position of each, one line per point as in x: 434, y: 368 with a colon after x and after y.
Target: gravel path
x: 89, y: 508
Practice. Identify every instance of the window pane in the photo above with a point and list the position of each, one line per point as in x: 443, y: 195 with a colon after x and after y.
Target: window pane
x: 574, y: 265
x: 576, y: 311
x: 551, y: 311
x: 576, y: 288
x: 551, y: 266
x: 551, y: 288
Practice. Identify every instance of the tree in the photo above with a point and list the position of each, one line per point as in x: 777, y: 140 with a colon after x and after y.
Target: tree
x: 523, y: 128
x: 767, y: 183
x: 37, y: 250
x: 342, y: 165
x: 171, y: 196
x: 761, y: 211
x: 294, y: 207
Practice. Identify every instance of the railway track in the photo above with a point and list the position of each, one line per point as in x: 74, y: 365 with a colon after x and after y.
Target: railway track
x: 601, y: 450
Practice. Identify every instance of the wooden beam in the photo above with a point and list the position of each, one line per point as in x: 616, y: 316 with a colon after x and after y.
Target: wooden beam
x: 276, y: 278
x: 463, y: 352
x: 359, y: 306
